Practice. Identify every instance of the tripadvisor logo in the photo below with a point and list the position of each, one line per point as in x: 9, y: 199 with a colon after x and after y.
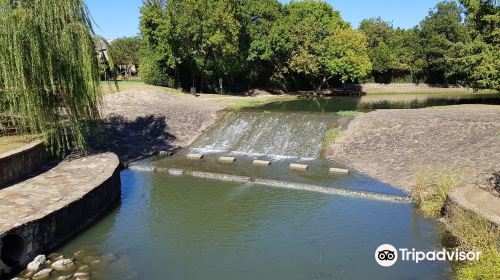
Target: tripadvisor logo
x: 387, y: 255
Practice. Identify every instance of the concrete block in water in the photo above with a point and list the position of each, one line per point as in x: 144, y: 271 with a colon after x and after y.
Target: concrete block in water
x: 298, y: 167
x: 194, y: 156
x: 339, y: 170
x: 176, y: 172
x: 261, y: 162
x: 227, y: 159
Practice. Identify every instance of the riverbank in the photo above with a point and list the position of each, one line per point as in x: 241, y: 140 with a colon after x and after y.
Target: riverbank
x: 392, y: 145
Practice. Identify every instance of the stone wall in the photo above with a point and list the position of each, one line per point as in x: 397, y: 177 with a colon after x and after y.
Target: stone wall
x: 21, y: 162
x: 62, y: 220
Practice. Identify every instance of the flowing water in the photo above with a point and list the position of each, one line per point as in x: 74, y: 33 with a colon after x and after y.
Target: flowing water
x: 278, y: 135
x: 230, y: 226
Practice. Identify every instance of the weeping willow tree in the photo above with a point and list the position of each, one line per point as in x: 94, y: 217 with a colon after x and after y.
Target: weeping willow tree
x: 49, y: 73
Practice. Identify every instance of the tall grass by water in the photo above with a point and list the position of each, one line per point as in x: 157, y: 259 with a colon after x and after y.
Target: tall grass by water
x: 471, y: 231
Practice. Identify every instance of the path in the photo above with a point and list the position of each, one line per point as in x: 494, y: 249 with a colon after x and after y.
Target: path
x: 55, y: 189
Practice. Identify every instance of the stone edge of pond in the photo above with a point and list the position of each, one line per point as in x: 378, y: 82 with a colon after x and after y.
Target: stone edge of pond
x: 41, y: 213
x: 22, y: 161
x: 477, y: 200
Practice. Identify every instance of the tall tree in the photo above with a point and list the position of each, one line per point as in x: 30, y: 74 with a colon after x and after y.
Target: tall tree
x: 440, y: 30
x: 125, y: 51
x: 379, y: 33
x: 48, y: 67
x: 478, y: 61
x: 305, y: 42
x: 258, y: 18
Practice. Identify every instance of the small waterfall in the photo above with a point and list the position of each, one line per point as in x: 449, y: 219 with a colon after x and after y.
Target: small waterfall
x: 274, y: 134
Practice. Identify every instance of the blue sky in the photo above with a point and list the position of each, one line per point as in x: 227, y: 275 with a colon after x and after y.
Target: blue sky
x: 118, y: 18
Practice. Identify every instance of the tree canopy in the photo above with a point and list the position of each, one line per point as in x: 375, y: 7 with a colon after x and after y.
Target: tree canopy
x: 456, y: 43
x: 49, y: 76
x: 125, y: 50
x: 246, y: 43
x: 306, y: 45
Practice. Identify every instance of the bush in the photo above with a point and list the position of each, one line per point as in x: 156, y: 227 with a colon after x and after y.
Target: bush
x: 152, y: 73
x: 430, y: 189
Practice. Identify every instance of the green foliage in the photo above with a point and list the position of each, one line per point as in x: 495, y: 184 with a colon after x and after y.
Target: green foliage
x: 305, y: 45
x: 430, y: 189
x: 444, y: 48
x: 314, y: 45
x: 259, y: 43
x: 125, y: 51
x: 330, y: 136
x: 49, y: 77
x: 482, y: 54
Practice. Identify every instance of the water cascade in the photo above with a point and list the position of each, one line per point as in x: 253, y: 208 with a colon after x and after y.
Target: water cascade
x: 273, y: 134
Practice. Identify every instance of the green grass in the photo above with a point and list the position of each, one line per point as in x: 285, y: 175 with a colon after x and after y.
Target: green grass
x: 111, y: 87
x: 474, y: 233
x: 252, y: 102
x: 431, y: 187
x: 349, y: 113
x: 330, y: 136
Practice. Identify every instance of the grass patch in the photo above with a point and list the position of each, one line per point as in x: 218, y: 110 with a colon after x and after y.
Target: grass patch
x: 349, y: 113
x: 474, y: 233
x: 111, y: 87
x: 430, y: 189
x: 252, y: 102
x: 470, y: 230
x: 330, y: 136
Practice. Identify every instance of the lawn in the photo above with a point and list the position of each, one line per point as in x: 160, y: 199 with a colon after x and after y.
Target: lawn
x: 112, y: 87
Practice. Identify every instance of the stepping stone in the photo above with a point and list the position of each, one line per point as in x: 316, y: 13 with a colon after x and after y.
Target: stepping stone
x: 194, y: 156
x: 227, y: 159
x: 298, y: 167
x: 261, y: 162
x: 176, y: 172
x: 339, y: 170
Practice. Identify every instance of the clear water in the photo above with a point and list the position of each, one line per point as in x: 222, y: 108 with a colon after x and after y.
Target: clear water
x: 191, y: 228
x: 317, y: 174
x: 379, y: 101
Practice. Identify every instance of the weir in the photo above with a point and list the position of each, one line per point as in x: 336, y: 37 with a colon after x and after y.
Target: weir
x: 274, y: 134
x: 287, y: 144
x: 283, y: 184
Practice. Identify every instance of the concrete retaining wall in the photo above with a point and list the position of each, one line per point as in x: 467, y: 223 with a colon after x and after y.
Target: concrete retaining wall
x: 22, y: 161
x: 41, y: 233
x: 477, y: 200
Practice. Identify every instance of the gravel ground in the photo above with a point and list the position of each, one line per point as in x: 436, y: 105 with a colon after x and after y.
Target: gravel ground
x: 392, y: 145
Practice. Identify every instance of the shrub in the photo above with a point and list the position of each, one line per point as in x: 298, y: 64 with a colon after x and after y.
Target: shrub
x: 430, y: 189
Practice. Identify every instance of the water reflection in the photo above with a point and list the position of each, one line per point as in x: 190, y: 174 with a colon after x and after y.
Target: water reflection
x: 380, y: 101
x: 191, y: 228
